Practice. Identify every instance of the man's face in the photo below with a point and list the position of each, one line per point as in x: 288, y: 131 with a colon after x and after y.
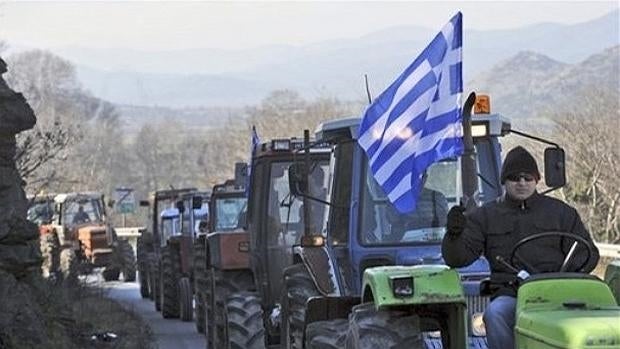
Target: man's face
x: 520, y: 186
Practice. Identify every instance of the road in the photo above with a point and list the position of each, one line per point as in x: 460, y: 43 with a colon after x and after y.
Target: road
x: 169, y: 334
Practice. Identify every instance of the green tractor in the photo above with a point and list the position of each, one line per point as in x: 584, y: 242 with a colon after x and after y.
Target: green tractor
x: 400, y: 304
x: 564, y: 310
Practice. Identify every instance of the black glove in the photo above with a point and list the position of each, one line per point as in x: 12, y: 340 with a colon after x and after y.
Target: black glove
x: 456, y: 220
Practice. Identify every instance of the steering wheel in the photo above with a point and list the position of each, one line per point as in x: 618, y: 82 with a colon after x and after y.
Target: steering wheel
x: 577, y: 238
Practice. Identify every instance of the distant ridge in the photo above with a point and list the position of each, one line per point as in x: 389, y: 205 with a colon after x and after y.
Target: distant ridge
x: 528, y: 84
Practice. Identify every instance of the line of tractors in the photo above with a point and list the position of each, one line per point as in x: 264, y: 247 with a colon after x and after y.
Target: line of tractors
x: 302, y: 249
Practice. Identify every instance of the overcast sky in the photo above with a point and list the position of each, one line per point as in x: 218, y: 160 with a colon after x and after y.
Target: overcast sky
x: 177, y: 25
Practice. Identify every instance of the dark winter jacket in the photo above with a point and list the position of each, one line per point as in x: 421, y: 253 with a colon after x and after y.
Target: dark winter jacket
x: 496, y: 227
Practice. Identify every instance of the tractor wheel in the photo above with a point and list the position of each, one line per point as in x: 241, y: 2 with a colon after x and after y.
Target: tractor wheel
x: 170, y: 275
x: 224, y: 283
x: 50, y: 253
x: 244, y: 321
x: 298, y: 287
x: 209, y: 317
x: 142, y: 264
x: 127, y: 260
x: 186, y: 310
x: 69, y: 264
x: 200, y: 282
x: 110, y: 273
x: 326, y: 334
x: 154, y: 284
x: 370, y: 328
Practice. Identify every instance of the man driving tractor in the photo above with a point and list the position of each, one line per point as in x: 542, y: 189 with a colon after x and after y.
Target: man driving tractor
x: 494, y: 229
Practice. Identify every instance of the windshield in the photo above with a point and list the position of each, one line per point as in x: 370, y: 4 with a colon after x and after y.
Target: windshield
x: 286, y: 211
x: 41, y: 212
x: 383, y: 224
x: 170, y: 226
x: 230, y: 213
x: 82, y: 211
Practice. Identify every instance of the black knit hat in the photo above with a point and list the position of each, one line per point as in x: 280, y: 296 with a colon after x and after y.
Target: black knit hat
x: 518, y: 160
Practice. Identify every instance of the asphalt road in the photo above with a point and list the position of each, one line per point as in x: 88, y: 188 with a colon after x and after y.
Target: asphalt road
x: 169, y: 334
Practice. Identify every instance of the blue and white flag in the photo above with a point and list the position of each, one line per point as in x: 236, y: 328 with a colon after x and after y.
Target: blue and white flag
x: 416, y: 121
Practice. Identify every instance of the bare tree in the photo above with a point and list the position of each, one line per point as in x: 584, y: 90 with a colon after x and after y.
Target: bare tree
x: 50, y: 86
x: 593, y: 160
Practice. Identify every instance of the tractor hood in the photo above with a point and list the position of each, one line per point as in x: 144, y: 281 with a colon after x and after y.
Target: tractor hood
x: 566, y: 310
x: 577, y: 328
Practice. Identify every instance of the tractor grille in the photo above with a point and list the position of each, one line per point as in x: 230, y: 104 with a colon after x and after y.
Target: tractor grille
x: 99, y: 239
x: 476, y: 304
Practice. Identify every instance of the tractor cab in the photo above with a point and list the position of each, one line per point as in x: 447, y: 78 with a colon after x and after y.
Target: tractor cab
x: 228, y: 207
x: 275, y: 219
x: 170, y: 223
x: 194, y: 209
x: 364, y: 229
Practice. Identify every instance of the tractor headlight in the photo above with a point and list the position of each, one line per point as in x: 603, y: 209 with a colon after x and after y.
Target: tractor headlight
x: 402, y: 286
x: 477, y: 325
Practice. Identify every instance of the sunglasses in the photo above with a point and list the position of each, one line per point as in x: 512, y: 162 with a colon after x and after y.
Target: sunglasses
x: 517, y: 177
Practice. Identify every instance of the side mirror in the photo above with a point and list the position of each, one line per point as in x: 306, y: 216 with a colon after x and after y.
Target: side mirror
x: 197, y: 202
x: 298, y: 179
x: 180, y: 206
x: 555, y: 167
x: 241, y: 173
x: 144, y: 203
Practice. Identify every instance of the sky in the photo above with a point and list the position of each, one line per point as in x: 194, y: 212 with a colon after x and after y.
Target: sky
x: 172, y: 25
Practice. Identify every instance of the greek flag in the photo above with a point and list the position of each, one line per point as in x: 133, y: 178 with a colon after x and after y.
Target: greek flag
x: 416, y: 121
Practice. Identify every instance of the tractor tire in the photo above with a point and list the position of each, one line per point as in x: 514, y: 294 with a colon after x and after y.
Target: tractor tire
x: 111, y: 273
x: 200, y: 282
x: 224, y: 283
x: 209, y: 317
x: 69, y: 264
x: 244, y: 321
x: 127, y: 260
x: 298, y: 287
x: 154, y: 284
x: 142, y: 266
x: 50, y: 251
x: 370, y: 328
x: 170, y: 275
x: 186, y: 311
x: 326, y: 334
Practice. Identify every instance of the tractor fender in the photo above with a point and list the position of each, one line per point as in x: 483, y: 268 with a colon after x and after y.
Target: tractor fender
x: 320, y: 267
x: 328, y: 308
x: 419, y: 284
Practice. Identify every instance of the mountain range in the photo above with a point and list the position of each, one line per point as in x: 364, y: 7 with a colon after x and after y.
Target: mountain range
x: 216, y: 77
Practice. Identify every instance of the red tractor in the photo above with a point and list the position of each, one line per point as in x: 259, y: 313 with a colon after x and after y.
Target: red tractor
x: 221, y: 247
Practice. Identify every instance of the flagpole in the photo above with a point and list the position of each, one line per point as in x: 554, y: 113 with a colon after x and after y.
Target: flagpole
x: 368, y: 89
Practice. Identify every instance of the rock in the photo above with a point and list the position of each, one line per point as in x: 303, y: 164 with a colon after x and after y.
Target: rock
x: 19, y: 239
x: 21, y: 321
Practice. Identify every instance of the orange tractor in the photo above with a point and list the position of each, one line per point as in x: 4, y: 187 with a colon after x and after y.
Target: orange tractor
x: 76, y: 237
